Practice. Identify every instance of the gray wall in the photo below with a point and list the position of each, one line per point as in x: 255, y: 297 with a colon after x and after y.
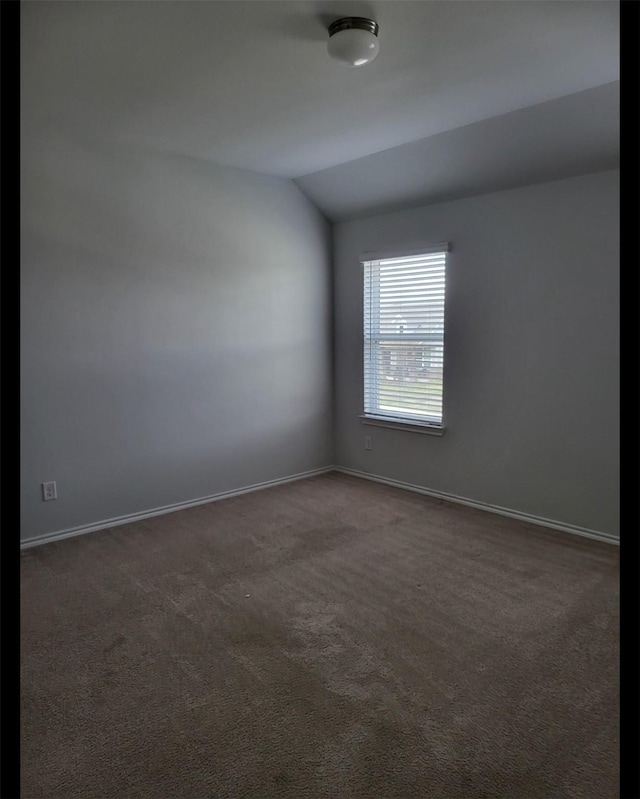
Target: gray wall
x: 531, y: 397
x: 176, y: 331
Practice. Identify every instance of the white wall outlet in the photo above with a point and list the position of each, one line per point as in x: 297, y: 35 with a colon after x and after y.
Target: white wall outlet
x: 49, y: 491
x: 367, y: 442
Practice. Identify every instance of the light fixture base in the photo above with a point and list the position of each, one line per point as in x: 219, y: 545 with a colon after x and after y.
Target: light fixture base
x: 360, y: 23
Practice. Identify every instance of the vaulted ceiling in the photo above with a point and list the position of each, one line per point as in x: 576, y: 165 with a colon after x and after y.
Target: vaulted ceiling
x: 464, y: 96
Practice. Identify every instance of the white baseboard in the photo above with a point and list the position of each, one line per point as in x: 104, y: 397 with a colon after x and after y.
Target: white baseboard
x: 148, y: 514
x: 133, y: 517
x: 525, y: 517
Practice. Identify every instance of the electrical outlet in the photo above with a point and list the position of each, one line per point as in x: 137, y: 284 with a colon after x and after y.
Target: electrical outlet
x: 49, y: 491
x: 367, y: 442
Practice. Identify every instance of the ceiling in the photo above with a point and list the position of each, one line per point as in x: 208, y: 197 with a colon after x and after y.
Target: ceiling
x: 570, y: 136
x: 249, y: 84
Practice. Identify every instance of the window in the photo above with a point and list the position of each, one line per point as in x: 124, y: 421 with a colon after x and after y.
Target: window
x: 404, y: 336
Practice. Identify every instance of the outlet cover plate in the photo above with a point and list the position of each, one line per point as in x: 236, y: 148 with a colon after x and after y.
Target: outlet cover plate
x: 49, y: 491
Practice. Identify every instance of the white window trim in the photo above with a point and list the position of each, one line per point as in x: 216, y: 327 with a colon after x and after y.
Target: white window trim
x: 408, y: 425
x: 428, y: 428
x: 381, y: 255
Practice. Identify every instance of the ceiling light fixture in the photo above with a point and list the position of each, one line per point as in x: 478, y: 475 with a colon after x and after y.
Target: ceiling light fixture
x: 353, y: 41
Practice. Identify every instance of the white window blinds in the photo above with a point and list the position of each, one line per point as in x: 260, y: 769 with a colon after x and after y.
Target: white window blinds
x: 404, y: 335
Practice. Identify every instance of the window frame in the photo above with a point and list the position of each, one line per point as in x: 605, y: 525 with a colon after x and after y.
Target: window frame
x: 408, y: 423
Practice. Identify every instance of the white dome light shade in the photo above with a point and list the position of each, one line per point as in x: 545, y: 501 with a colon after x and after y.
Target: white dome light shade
x: 353, y: 41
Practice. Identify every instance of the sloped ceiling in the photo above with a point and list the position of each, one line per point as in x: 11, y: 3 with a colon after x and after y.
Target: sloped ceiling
x: 561, y: 138
x: 249, y: 84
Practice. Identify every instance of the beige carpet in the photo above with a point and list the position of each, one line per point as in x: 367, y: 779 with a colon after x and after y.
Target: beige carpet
x: 327, y: 638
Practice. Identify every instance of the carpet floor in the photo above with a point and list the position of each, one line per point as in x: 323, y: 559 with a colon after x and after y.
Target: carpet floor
x: 331, y: 637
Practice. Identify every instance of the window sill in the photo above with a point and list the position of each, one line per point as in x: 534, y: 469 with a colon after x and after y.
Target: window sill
x: 413, y: 427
